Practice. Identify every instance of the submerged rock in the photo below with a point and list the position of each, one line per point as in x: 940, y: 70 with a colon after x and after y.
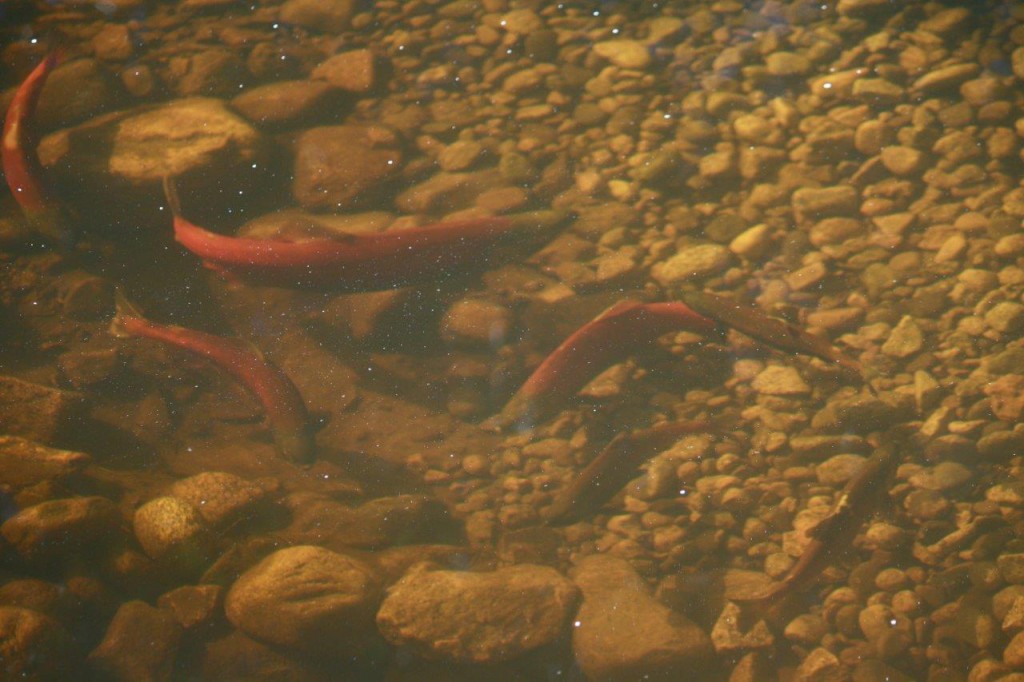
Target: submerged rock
x: 308, y: 599
x: 37, y: 412
x: 125, y: 156
x: 221, y: 498
x: 141, y: 643
x: 24, y: 463
x: 60, y: 528
x: 478, y: 617
x: 622, y: 633
x: 34, y: 646
x: 336, y: 166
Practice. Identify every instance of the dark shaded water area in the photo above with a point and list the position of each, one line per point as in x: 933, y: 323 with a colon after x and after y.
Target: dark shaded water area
x: 511, y: 340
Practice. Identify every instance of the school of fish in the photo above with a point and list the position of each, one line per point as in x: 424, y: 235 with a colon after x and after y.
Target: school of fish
x: 390, y: 259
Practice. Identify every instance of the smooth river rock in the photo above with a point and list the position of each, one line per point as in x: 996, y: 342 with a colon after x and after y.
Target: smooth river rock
x: 309, y: 599
x: 478, y: 617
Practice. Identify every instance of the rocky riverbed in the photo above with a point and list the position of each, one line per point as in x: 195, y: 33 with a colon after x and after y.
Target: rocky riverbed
x: 854, y: 167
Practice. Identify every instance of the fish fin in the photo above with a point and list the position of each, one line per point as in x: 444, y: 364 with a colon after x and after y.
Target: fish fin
x: 123, y: 308
x: 171, y: 194
x: 617, y: 309
x: 224, y: 273
x: 254, y: 349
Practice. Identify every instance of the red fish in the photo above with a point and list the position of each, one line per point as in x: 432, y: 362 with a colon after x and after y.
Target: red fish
x: 354, y: 261
x: 22, y: 169
x: 610, y: 336
x: 613, y: 468
x: 281, y: 401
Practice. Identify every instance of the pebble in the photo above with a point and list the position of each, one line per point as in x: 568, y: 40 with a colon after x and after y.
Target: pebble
x: 945, y: 78
x: 820, y: 665
x: 806, y: 630
x: 787, y: 64
x: 476, y: 322
x: 95, y: 92
x: 1013, y: 621
x: 902, y: 161
x: 952, y: 249
x: 628, y: 54
x: 1006, y: 396
x: 728, y: 638
x: 215, y: 72
x: 113, y: 43
x: 753, y: 128
x: 838, y: 469
x: 353, y: 71
x: 943, y: 476
x: 877, y: 92
x: 460, y: 155
x: 283, y: 103
x: 522, y: 22
x: 325, y: 16
x: 835, y: 231
x: 1013, y: 654
x: 817, y: 203
x: 1006, y: 317
x: 193, y: 606
x: 780, y: 380
x: 692, y: 262
x: 446, y: 191
x: 752, y: 243
x: 905, y: 339
x: 1011, y: 566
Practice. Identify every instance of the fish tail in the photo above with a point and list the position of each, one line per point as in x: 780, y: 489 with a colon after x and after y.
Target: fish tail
x: 295, y: 443
x: 123, y: 309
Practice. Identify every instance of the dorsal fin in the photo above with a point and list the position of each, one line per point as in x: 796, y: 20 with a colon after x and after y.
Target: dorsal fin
x: 171, y: 194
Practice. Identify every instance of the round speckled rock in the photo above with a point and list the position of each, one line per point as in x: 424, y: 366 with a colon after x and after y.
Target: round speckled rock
x: 171, y: 528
